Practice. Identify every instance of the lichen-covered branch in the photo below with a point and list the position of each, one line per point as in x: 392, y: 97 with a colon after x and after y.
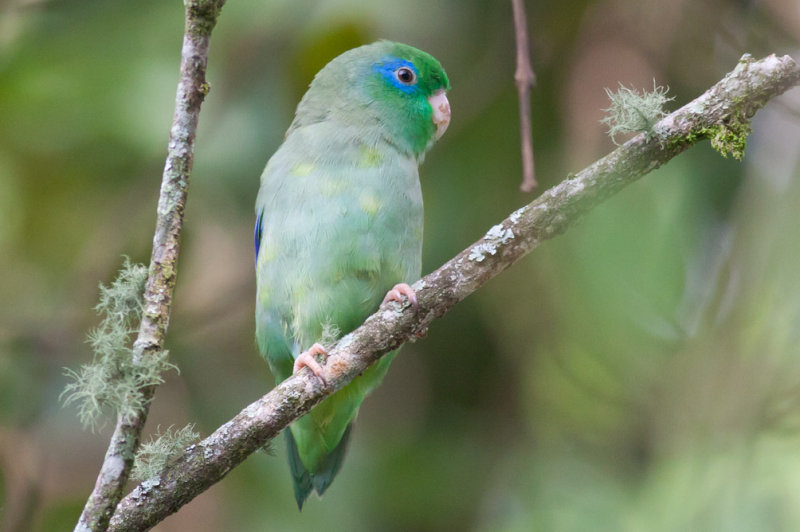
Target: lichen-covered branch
x: 722, y: 113
x: 201, y: 16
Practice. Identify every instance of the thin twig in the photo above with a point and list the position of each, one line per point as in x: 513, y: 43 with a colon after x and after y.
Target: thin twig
x: 200, y: 18
x: 737, y: 97
x: 525, y: 79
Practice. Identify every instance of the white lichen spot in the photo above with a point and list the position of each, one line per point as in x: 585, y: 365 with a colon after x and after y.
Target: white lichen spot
x: 573, y: 186
x: 345, y: 342
x: 697, y: 106
x: 114, y: 466
x: 496, y: 236
x: 764, y: 67
x: 478, y: 253
x: 668, y: 124
x: 251, y: 411
x: 515, y: 216
x: 148, y: 485
x: 499, y: 235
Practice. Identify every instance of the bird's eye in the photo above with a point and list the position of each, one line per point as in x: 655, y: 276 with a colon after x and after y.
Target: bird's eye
x: 405, y: 75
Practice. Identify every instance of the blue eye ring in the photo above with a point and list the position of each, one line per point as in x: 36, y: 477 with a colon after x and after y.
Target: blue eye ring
x: 405, y: 75
x: 396, y: 72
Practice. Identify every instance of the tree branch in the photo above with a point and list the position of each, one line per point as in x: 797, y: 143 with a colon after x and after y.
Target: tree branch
x: 721, y: 111
x: 200, y: 18
x: 525, y: 79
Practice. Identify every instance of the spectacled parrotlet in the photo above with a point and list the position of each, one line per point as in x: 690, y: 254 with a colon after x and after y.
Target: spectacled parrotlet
x: 339, y: 229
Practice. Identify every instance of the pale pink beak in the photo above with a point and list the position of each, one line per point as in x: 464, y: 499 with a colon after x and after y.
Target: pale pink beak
x: 441, y: 111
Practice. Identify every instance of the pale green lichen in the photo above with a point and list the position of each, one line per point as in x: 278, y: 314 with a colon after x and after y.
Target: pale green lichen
x: 330, y: 333
x: 633, y: 112
x: 153, y: 455
x: 112, y: 381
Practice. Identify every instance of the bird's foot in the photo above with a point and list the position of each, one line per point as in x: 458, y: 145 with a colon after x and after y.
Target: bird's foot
x: 400, y: 290
x: 306, y: 360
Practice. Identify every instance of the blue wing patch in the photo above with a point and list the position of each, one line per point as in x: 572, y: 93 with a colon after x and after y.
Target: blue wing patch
x: 257, y: 235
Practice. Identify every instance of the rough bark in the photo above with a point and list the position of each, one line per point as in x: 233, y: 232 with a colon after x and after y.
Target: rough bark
x: 721, y: 114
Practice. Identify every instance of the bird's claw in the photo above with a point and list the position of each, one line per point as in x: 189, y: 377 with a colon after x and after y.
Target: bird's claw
x: 306, y: 360
x: 400, y: 290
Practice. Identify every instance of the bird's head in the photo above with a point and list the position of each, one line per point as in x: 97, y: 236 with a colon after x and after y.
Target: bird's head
x: 385, y: 87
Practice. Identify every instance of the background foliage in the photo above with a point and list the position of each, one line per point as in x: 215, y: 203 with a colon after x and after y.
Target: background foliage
x: 641, y: 372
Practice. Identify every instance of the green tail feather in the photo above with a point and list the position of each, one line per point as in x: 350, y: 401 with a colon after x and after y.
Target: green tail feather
x: 304, y: 481
x: 300, y: 477
x: 332, y: 463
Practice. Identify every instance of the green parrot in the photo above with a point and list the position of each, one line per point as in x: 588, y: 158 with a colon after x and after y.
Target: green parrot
x: 339, y: 228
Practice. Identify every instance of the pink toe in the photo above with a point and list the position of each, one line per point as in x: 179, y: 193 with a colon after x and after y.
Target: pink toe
x: 306, y: 360
x: 400, y: 290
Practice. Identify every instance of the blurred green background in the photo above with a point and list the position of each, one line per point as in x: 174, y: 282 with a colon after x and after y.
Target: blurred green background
x: 640, y: 373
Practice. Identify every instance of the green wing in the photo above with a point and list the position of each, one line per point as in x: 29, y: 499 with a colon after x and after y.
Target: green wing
x: 334, y: 235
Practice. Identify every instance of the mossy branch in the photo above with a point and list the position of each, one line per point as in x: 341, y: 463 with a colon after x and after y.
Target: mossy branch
x: 153, y: 455
x: 200, y: 19
x: 112, y: 381
x: 734, y: 99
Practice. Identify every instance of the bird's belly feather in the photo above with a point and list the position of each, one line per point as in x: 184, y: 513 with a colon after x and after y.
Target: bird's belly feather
x: 336, y: 236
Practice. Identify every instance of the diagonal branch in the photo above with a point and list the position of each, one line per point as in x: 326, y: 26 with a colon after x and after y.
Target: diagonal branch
x: 200, y: 18
x: 720, y: 114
